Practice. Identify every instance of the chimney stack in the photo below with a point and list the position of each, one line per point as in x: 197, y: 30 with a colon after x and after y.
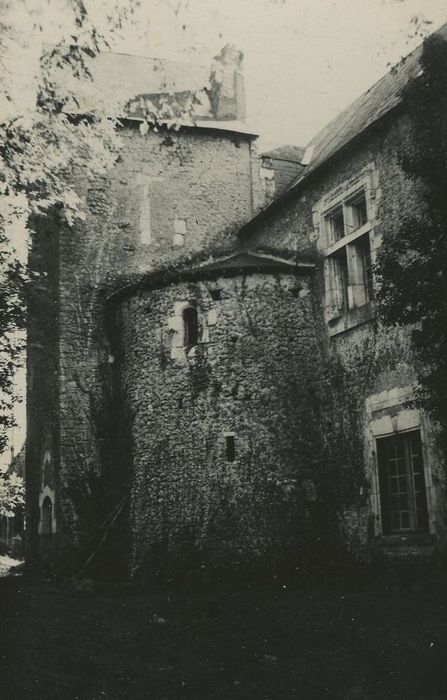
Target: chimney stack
x: 227, y: 93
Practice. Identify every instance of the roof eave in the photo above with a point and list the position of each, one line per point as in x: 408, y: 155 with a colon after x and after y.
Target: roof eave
x: 307, y: 177
x: 234, y: 127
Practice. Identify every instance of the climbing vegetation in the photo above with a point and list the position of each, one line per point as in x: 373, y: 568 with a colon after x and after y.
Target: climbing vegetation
x: 412, y: 261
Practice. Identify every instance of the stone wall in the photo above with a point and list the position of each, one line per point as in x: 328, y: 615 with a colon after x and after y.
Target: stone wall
x: 249, y: 380
x: 171, y: 196
x: 362, y: 359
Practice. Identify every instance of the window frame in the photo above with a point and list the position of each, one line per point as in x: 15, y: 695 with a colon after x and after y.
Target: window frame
x: 191, y: 331
x: 358, y: 289
x: 418, y: 517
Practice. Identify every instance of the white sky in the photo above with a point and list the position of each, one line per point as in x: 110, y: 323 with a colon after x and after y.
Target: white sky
x: 304, y: 59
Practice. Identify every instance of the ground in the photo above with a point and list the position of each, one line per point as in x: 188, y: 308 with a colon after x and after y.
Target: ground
x: 273, y: 644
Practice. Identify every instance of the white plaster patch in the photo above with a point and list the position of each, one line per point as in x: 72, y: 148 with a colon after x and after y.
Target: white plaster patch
x: 212, y: 317
x: 266, y: 173
x: 179, y: 226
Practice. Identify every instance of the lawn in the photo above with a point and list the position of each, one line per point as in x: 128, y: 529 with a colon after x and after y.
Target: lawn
x: 341, y: 641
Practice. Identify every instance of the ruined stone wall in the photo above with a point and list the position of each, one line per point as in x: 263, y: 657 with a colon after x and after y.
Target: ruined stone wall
x: 363, y: 360
x: 171, y: 196
x: 250, y: 379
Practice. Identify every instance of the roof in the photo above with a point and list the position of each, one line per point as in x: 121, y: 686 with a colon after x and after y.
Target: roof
x: 367, y: 109
x: 247, y: 260
x: 379, y: 100
x: 233, y: 264
x: 120, y: 83
x: 286, y: 162
x: 288, y: 152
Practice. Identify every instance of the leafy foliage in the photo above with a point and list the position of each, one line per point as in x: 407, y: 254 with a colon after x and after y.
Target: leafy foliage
x: 12, y: 494
x: 46, y: 51
x: 412, y: 261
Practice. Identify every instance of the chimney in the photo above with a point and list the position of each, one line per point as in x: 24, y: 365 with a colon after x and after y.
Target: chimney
x: 227, y: 94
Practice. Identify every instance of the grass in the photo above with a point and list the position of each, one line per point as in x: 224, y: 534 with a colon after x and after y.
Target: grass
x: 270, y: 644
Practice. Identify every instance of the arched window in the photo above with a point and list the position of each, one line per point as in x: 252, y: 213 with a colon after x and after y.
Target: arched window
x: 190, y: 326
x: 47, y: 516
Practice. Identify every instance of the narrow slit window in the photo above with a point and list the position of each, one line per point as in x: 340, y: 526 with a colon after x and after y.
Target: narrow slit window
x: 47, y: 516
x: 190, y: 327
x: 230, y: 448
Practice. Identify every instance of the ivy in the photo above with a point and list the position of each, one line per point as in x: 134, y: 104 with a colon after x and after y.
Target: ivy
x: 412, y: 261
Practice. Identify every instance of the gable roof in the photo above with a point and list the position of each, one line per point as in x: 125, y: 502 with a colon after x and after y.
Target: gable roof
x: 376, y: 102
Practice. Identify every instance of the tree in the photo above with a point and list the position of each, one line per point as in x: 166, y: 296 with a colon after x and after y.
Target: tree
x: 412, y: 261
x: 12, y: 494
x: 41, y: 142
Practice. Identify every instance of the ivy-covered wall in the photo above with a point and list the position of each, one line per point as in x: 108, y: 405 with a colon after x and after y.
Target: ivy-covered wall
x: 251, y: 376
x: 364, y: 359
x: 169, y: 196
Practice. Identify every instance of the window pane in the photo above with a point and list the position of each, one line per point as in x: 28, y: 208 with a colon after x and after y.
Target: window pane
x: 364, y: 248
x: 336, y: 224
x: 358, y: 210
x: 402, y: 486
x: 339, y: 282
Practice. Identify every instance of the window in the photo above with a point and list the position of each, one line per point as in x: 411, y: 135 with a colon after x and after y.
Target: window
x: 349, y: 275
x: 336, y: 223
x: 190, y: 327
x: 403, y: 500
x: 230, y: 448
x: 356, y: 211
x: 367, y: 281
x: 338, y: 274
x: 47, y: 516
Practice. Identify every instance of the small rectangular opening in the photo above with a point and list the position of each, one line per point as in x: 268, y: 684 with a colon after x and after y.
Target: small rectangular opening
x: 230, y: 448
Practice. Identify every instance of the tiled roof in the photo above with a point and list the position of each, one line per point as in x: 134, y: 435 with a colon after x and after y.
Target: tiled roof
x: 380, y: 99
